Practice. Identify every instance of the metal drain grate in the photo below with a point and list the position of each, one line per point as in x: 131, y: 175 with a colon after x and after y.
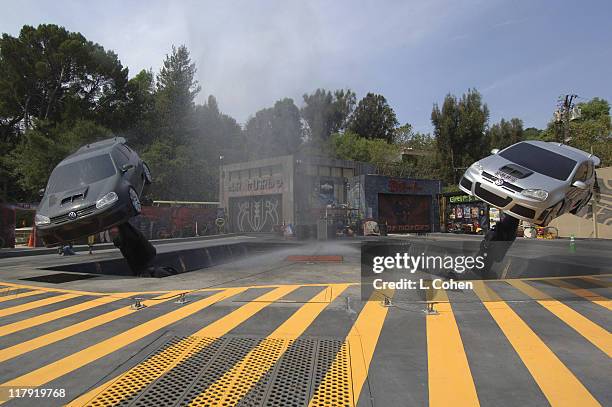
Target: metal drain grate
x: 193, y: 371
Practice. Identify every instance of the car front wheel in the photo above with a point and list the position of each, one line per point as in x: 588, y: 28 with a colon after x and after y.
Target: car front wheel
x: 147, y: 174
x: 135, y: 201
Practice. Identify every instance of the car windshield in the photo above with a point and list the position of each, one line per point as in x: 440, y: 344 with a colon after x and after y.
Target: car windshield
x: 81, y: 173
x: 540, y: 160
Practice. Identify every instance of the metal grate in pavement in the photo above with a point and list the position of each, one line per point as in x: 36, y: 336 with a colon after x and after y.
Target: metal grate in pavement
x: 294, y: 379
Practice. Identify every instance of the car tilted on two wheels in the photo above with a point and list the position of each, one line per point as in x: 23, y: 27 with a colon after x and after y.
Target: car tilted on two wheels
x: 534, y: 181
x: 97, y: 187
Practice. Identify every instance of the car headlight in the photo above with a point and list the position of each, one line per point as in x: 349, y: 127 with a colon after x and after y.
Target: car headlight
x: 477, y: 166
x: 538, y: 194
x: 40, y: 220
x: 107, y: 200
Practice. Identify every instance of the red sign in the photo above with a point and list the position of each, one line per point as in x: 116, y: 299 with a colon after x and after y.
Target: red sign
x: 403, y: 186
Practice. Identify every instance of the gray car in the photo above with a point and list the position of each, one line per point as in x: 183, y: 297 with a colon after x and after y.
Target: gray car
x: 97, y: 187
x: 534, y: 181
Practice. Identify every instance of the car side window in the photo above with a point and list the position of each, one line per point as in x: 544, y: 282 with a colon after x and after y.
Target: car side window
x: 126, y: 149
x: 120, y: 157
x: 589, y: 169
x: 581, y: 173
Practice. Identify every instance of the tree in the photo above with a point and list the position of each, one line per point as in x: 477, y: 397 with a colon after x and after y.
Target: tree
x: 459, y: 131
x: 532, y: 133
x: 326, y: 113
x: 591, y: 130
x: 506, y: 133
x: 351, y: 146
x: 138, y: 119
x: 56, y: 90
x: 170, y: 151
x: 51, y: 74
x: 176, y: 91
x: 373, y: 118
x: 274, y: 131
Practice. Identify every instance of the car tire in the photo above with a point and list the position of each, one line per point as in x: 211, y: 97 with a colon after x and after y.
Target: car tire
x: 134, y: 201
x: 148, y: 179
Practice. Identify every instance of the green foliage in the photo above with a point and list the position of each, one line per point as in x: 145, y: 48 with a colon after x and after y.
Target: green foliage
x: 326, y: 113
x: 459, y: 130
x: 531, y: 133
x: 176, y: 89
x: 351, y: 146
x: 374, y: 118
x: 592, y: 130
x: 506, y: 133
x: 55, y: 87
x: 274, y: 131
x: 48, y: 73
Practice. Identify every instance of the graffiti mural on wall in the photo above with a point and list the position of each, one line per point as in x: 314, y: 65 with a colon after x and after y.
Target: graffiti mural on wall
x: 166, y: 222
x: 255, y: 213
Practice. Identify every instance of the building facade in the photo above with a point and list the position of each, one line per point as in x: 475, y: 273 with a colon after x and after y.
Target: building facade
x: 294, y: 189
x: 405, y: 205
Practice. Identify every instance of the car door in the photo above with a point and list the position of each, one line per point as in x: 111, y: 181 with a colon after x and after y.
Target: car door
x: 576, y: 196
x: 138, y: 174
x: 122, y: 158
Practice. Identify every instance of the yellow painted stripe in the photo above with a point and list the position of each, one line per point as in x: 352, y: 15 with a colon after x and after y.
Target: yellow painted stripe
x: 557, y: 382
x: 36, y: 304
x: 215, y: 329
x: 584, y: 293
x: 52, y: 316
x: 245, y: 374
x: 564, y: 277
x: 52, y: 337
x: 70, y: 363
x: 10, y: 296
x: 362, y: 340
x: 449, y: 376
x: 597, y: 335
x: 50, y: 289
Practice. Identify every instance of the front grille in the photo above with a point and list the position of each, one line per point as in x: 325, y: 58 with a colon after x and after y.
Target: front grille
x: 80, y: 212
x: 490, y: 197
x: 466, y: 183
x: 506, y: 185
x: 523, y: 211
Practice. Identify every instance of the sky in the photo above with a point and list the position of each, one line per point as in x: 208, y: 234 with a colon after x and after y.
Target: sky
x: 521, y: 54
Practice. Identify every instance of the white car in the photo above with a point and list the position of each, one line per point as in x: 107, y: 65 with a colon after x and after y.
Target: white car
x: 534, y: 181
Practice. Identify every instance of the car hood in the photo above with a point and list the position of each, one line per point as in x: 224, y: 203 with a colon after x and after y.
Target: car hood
x: 59, y: 203
x: 521, y: 176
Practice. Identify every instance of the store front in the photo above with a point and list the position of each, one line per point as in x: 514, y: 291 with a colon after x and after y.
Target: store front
x: 461, y: 213
x: 402, y: 205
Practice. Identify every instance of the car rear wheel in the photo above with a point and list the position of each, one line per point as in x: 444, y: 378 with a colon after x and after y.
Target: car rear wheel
x: 135, y: 201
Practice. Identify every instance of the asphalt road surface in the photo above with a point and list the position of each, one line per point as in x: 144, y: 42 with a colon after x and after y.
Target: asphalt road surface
x: 286, y: 326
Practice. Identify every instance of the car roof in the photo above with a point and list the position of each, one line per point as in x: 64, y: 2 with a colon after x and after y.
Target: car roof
x: 564, y: 149
x: 94, y: 149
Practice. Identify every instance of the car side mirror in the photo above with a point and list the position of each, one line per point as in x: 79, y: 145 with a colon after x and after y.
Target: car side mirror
x: 41, y: 192
x: 125, y: 168
x: 580, y: 185
x: 495, y: 151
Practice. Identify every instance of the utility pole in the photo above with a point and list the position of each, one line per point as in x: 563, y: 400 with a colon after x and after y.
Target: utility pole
x: 563, y: 114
